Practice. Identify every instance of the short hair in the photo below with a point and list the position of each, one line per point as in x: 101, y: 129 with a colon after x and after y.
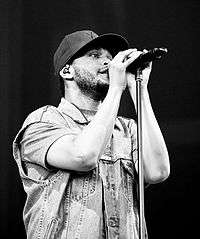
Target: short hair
x: 62, y: 86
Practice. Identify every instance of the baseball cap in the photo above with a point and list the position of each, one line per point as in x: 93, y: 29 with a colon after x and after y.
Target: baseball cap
x: 75, y: 43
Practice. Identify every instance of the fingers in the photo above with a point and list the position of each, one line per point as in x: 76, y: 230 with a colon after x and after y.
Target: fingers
x: 149, y: 64
x: 123, y: 55
x: 128, y: 56
x: 133, y: 56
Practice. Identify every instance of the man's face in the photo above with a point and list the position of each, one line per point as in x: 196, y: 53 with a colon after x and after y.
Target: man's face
x: 91, y: 72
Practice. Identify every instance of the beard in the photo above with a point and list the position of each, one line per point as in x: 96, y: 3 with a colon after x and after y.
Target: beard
x: 90, y: 85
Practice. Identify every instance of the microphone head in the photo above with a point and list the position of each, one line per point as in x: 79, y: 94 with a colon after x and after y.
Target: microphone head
x: 164, y: 49
x: 159, y: 52
x: 143, y: 60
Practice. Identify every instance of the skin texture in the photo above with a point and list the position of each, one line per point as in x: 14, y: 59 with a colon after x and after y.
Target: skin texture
x: 96, y: 81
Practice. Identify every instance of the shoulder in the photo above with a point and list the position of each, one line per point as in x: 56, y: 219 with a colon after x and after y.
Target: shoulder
x: 45, y: 114
x: 46, y: 117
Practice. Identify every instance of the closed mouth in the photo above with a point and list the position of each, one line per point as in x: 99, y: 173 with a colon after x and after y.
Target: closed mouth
x: 103, y: 70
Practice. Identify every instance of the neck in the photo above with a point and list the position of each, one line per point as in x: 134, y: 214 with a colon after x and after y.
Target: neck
x: 76, y: 97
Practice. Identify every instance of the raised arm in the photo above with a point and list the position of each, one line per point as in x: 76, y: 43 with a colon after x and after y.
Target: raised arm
x: 83, y: 152
x: 156, y: 159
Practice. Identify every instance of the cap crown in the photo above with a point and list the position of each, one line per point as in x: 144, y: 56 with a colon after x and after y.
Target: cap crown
x: 70, y: 45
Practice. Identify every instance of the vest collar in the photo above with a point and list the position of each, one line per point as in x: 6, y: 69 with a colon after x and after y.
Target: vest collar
x: 72, y: 111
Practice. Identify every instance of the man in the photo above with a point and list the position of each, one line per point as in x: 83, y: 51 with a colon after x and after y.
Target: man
x: 78, y: 161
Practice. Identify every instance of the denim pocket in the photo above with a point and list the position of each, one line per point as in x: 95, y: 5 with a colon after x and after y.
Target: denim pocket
x: 129, y: 180
x: 83, y: 184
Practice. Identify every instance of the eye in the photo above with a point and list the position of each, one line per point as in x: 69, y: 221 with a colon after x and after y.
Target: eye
x: 94, y: 54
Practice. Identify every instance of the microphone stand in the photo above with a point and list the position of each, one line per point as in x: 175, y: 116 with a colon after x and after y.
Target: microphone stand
x: 154, y: 54
x: 138, y: 78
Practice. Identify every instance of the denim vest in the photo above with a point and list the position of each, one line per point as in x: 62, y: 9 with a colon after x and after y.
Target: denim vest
x: 101, y: 203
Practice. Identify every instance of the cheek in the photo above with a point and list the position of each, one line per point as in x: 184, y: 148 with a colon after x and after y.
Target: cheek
x: 87, y: 66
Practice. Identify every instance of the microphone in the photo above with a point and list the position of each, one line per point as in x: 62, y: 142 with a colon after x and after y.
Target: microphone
x: 143, y: 60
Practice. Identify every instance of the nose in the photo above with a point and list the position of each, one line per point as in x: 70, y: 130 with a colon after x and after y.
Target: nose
x: 106, y: 61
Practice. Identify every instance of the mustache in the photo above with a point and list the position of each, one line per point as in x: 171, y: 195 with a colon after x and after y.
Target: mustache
x: 103, y: 70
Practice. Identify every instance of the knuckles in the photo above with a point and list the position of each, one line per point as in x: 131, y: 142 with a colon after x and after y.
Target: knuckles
x: 116, y: 66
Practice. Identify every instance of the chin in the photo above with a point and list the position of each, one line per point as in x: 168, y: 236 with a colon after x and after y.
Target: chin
x: 102, y: 90
x: 103, y: 81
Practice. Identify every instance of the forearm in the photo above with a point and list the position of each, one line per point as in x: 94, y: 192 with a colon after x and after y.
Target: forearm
x: 95, y: 136
x: 155, y: 154
x: 83, y: 151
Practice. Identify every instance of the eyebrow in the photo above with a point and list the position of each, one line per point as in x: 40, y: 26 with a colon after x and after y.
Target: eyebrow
x: 99, y: 51
x: 92, y: 50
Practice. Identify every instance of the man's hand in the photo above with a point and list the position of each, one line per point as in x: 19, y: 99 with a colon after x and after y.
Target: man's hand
x: 117, y: 68
x: 145, y: 73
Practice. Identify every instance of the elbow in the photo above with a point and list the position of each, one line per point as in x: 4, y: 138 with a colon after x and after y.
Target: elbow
x: 157, y: 175
x: 75, y: 160
x: 158, y: 170
x: 86, y: 160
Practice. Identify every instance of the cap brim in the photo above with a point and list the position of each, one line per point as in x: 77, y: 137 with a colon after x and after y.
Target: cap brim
x: 112, y: 42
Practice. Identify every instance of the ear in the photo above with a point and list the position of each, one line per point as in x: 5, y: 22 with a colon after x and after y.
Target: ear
x: 67, y: 72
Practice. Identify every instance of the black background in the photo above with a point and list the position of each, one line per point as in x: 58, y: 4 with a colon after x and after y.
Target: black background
x: 30, y: 32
